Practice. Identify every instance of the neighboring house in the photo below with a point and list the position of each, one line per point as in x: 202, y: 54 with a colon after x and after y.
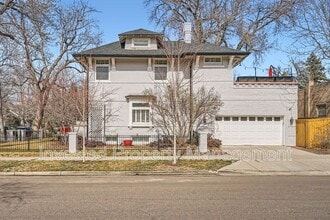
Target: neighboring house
x: 314, y: 100
x: 256, y: 110
x: 313, y: 125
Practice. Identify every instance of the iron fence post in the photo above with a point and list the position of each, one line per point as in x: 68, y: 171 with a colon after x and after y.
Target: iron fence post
x: 117, y: 142
x: 28, y: 143
x: 158, y: 141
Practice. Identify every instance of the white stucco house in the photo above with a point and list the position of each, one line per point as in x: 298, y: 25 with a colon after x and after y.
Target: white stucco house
x: 255, y: 111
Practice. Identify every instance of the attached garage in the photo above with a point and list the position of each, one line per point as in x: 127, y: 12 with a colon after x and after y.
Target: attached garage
x: 249, y: 130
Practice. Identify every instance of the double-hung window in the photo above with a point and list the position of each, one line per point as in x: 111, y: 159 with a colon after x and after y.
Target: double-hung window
x: 160, y: 68
x: 213, y: 61
x: 140, y: 114
x: 102, y: 70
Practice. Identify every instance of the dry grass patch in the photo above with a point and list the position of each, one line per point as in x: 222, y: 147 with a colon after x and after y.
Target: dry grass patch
x: 19, y: 154
x: 39, y: 166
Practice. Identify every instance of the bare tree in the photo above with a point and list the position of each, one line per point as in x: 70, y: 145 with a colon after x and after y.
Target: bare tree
x: 242, y: 24
x: 64, y: 108
x: 312, y: 28
x: 171, y: 101
x: 68, y: 99
x: 6, y: 6
x: 46, y: 38
x: 6, y: 82
x: 4, y: 95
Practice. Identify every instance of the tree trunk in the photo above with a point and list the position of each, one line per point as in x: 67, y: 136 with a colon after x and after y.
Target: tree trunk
x: 42, y: 103
x: 1, y: 119
x: 38, y: 119
x: 1, y: 112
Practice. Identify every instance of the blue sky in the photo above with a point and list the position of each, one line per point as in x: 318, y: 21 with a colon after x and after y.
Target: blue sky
x: 115, y: 17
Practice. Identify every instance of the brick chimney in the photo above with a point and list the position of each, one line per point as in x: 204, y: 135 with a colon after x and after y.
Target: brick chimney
x: 187, y: 32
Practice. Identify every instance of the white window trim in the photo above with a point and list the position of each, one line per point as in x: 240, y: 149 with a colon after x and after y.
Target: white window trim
x: 160, y: 65
x: 214, y: 64
x: 135, y: 39
x: 102, y: 65
x: 131, y: 108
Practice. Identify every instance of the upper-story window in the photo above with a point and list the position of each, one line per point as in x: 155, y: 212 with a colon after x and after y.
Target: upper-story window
x: 102, y: 70
x: 321, y: 110
x: 141, y: 42
x: 213, y: 61
x: 160, y: 69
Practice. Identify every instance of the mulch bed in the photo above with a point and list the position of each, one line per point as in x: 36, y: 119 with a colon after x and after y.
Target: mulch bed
x: 314, y: 150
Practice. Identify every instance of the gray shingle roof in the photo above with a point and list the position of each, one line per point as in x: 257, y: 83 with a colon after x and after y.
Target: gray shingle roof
x: 140, y: 31
x: 116, y: 49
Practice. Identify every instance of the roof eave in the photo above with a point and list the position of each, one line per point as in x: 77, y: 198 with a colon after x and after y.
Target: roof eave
x: 223, y: 53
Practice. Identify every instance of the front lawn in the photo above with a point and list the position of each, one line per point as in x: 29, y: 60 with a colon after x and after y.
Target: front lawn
x: 160, y: 165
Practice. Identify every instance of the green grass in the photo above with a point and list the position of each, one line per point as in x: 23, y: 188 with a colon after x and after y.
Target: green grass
x: 183, y: 165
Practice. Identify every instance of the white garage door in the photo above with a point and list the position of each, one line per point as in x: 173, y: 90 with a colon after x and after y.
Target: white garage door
x: 252, y: 130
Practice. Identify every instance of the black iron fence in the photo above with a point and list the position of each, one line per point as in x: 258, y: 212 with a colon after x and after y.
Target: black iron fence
x: 23, y: 140
x: 139, y: 141
x: 36, y: 141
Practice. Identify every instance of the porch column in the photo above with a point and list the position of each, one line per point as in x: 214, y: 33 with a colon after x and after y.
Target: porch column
x: 113, y: 64
x: 197, y: 62
x: 90, y: 64
x: 149, y: 65
x: 172, y: 64
x: 231, y: 60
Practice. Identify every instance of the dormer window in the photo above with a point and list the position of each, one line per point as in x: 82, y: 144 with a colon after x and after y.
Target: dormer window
x: 213, y: 61
x: 141, y: 42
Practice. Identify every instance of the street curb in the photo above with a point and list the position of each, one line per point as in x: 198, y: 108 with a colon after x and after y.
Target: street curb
x: 106, y: 173
x: 273, y: 173
x: 155, y: 173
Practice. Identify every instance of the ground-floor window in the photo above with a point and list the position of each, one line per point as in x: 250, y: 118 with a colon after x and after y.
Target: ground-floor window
x: 140, y: 114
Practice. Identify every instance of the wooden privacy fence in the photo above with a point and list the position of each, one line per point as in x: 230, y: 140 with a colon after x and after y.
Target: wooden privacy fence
x: 313, y: 132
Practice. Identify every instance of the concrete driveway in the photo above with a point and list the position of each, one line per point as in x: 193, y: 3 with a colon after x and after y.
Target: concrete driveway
x: 276, y: 160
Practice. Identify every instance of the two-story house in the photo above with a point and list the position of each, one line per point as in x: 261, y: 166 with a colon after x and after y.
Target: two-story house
x: 255, y: 111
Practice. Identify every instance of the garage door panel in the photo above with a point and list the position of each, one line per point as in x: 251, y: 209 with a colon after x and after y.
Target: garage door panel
x: 248, y: 132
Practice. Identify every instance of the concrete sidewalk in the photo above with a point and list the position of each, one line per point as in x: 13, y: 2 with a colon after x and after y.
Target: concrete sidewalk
x: 275, y: 159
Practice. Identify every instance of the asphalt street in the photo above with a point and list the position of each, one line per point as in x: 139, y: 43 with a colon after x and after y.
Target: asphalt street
x: 165, y: 197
